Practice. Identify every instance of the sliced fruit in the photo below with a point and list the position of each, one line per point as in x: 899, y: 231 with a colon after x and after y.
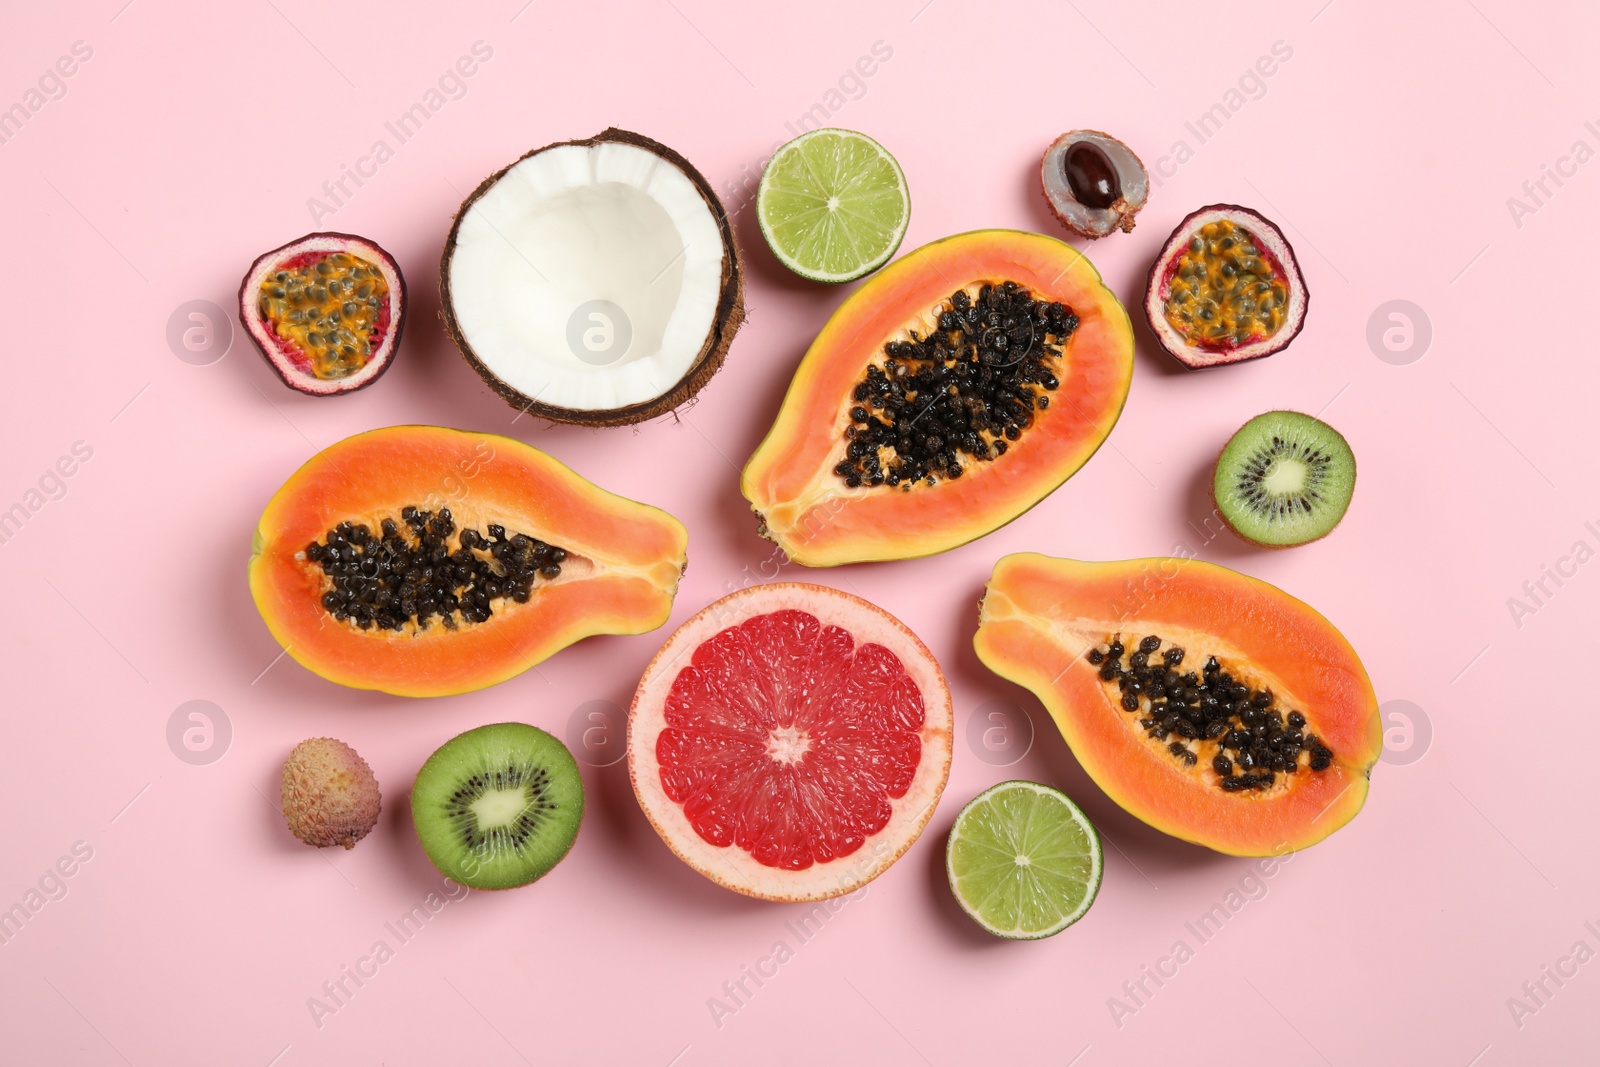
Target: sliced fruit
x: 833, y: 205
x: 1093, y: 183
x: 790, y: 741
x: 1024, y: 861
x: 1226, y: 288
x: 949, y: 394
x: 424, y: 561
x: 326, y: 311
x: 328, y: 793
x: 1213, y: 706
x: 499, y: 806
x: 1284, y: 479
x: 594, y: 281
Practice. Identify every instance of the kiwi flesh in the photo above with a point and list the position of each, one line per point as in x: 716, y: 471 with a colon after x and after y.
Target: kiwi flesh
x: 499, y: 806
x: 1284, y: 479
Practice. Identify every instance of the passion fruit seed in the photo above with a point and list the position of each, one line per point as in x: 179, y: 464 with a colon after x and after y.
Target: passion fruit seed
x: 330, y: 306
x: 1225, y: 289
x: 1253, y: 741
x: 1090, y: 175
x: 411, y: 574
x: 968, y: 389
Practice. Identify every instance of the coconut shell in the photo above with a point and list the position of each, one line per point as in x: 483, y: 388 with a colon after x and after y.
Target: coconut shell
x: 726, y: 322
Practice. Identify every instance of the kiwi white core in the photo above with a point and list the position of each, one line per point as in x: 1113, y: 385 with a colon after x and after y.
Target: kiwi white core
x: 587, y: 277
x: 1285, y: 476
x: 499, y: 807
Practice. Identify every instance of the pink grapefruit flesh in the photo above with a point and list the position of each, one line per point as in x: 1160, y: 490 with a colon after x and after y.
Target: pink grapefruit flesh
x: 790, y: 741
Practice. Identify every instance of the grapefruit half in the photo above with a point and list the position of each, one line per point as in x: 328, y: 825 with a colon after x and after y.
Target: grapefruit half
x: 790, y: 741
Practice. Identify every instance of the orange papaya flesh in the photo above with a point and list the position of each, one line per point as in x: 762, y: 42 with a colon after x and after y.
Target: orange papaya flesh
x: 791, y: 481
x: 620, y: 573
x: 1041, y: 617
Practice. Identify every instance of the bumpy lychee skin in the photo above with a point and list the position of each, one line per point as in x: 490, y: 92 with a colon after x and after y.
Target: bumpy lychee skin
x: 329, y: 794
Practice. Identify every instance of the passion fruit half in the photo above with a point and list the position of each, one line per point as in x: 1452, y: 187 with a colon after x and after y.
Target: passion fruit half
x: 1093, y: 183
x: 593, y: 282
x: 326, y: 311
x: 1225, y: 289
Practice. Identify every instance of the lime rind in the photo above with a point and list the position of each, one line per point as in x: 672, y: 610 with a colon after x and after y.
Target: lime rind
x: 833, y: 205
x: 1029, y: 900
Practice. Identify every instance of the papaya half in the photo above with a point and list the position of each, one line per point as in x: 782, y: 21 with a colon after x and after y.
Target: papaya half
x: 948, y: 395
x: 1213, y: 706
x: 423, y: 561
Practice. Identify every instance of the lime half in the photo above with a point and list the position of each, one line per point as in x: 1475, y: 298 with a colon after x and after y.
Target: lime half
x: 1024, y: 861
x: 833, y: 205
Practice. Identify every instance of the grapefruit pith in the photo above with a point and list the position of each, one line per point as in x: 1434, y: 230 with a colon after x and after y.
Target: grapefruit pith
x: 790, y: 741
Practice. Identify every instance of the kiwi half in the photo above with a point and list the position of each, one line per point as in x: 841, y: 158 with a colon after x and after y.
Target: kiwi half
x: 1284, y: 479
x: 498, y: 806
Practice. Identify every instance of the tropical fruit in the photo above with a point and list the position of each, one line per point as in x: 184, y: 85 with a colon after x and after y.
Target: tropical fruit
x: 1093, y: 183
x: 328, y: 793
x: 1024, y: 861
x: 594, y: 281
x: 790, y: 741
x: 949, y: 394
x: 1284, y: 479
x: 833, y: 205
x: 424, y: 561
x: 499, y: 806
x: 1226, y: 288
x: 1213, y: 706
x: 326, y: 311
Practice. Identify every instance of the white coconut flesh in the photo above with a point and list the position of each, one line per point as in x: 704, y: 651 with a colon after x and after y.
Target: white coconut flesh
x: 588, y: 277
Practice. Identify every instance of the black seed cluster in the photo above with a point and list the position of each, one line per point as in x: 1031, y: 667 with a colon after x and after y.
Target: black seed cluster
x: 532, y: 780
x: 965, y: 391
x: 409, y: 573
x: 1256, y: 741
x: 1253, y: 472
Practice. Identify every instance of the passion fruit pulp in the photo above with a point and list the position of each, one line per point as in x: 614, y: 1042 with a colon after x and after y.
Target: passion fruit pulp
x: 1226, y: 288
x: 326, y: 311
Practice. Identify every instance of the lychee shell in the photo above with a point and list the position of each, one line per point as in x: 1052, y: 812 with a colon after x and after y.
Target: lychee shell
x: 329, y: 794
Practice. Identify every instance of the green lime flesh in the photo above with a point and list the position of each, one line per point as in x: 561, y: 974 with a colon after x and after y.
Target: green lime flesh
x: 498, y: 806
x: 1024, y: 861
x: 833, y: 205
x: 1284, y: 479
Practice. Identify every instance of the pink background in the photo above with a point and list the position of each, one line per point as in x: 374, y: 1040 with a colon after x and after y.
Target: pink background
x: 1387, y: 146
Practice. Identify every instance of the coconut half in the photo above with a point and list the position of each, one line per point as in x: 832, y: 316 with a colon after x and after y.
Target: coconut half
x: 593, y: 282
